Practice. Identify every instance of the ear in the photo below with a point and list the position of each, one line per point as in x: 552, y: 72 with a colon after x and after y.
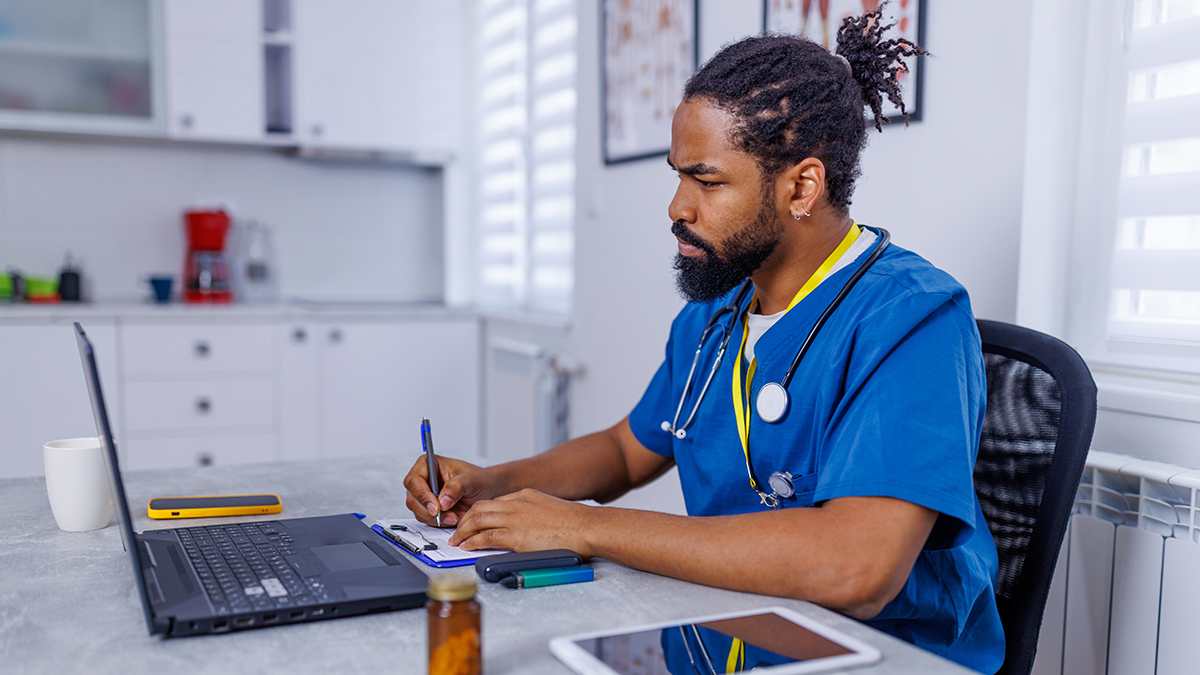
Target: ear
x: 803, y: 185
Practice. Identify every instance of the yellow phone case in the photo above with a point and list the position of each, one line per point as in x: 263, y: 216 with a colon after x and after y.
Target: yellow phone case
x: 214, y: 510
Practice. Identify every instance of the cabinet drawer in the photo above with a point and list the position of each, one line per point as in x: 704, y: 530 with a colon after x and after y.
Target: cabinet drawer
x: 180, y: 453
x: 157, y: 406
x: 150, y: 350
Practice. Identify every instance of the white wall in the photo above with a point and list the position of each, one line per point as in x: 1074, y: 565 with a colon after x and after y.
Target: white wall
x: 340, y: 231
x: 948, y: 187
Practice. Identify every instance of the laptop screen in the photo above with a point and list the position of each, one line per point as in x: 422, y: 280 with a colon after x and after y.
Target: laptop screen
x: 104, y: 430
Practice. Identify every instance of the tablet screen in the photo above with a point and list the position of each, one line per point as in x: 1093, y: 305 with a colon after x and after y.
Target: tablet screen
x: 745, y: 642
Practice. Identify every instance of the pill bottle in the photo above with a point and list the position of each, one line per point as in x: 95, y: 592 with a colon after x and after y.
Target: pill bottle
x: 454, y: 621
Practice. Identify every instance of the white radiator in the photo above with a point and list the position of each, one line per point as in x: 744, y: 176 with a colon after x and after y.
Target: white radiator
x: 1126, y: 593
x: 528, y: 391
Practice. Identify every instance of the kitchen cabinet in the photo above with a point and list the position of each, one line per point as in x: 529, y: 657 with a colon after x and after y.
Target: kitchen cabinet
x: 379, y: 74
x: 214, y: 69
x: 213, y: 386
x: 300, y: 391
x: 90, y: 67
x: 362, y: 76
x: 42, y: 392
x: 356, y: 387
x: 198, y: 394
x: 379, y: 379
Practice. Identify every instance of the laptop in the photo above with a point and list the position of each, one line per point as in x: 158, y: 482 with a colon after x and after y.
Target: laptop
x: 221, y: 578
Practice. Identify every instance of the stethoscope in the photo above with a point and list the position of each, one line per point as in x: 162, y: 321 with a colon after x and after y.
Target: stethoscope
x: 703, y: 651
x: 772, y: 402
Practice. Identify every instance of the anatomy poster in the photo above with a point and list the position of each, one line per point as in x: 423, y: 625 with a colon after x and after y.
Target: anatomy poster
x: 649, y: 53
x: 819, y: 20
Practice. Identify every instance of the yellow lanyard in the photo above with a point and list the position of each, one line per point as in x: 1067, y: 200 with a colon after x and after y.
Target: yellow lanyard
x: 742, y: 411
x: 737, y: 657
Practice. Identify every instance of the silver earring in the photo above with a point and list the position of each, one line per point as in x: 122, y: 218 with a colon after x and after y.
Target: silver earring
x: 795, y: 215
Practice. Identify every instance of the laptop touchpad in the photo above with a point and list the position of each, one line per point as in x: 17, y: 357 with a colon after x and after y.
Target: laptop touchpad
x: 353, y: 556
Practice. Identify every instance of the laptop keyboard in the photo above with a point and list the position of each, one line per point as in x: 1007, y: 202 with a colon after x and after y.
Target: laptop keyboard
x: 242, y: 567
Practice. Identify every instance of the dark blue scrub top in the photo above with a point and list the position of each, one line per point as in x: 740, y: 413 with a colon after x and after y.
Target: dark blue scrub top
x: 888, y: 402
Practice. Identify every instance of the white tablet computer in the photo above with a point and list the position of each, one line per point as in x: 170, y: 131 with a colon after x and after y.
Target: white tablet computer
x: 772, y: 641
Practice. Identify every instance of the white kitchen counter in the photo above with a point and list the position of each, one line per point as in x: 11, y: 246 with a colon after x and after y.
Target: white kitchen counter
x: 24, y: 313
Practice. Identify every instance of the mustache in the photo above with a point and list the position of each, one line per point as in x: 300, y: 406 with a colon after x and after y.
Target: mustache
x: 688, y: 237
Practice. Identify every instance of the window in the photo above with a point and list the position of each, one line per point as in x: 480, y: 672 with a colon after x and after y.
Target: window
x: 1155, y: 271
x: 525, y: 162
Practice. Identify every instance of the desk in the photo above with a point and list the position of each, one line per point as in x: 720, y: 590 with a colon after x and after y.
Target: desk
x: 68, y: 602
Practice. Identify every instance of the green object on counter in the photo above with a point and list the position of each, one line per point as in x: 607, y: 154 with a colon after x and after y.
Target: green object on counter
x: 37, y: 286
x: 5, y: 286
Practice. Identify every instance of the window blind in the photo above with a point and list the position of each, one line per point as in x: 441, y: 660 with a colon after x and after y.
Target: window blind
x: 526, y: 101
x: 1156, y: 259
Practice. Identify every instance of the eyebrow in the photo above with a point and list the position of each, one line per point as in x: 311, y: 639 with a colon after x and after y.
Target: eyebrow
x: 695, y: 169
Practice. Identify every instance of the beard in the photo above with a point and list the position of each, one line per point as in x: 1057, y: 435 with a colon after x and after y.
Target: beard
x: 710, y: 276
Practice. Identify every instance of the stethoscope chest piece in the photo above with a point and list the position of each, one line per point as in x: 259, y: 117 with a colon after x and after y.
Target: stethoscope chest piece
x: 772, y: 402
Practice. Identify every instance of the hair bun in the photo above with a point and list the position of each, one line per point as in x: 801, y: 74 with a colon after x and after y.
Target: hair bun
x: 875, y: 63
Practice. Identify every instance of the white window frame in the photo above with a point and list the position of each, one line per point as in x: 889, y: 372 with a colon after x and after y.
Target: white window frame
x: 1074, y: 132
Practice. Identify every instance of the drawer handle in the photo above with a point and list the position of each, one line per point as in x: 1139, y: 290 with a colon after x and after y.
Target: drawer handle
x: 299, y: 335
x: 202, y: 349
x: 204, y: 459
x: 204, y: 405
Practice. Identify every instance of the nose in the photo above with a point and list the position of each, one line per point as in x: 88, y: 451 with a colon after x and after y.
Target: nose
x: 681, y: 207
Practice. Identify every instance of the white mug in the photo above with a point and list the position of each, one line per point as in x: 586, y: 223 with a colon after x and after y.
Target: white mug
x: 77, y: 484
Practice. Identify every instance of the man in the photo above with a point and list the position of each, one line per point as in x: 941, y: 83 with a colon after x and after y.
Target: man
x: 871, y: 509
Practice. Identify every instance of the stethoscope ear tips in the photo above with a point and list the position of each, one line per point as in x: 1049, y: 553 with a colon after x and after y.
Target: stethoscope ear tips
x: 666, y: 426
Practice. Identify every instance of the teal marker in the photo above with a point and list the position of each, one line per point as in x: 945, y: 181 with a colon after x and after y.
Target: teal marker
x: 552, y: 576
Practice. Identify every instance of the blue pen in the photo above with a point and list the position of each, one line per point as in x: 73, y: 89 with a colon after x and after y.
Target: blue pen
x: 431, y: 463
x: 552, y: 576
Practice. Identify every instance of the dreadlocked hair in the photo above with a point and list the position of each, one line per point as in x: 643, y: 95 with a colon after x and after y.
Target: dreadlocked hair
x: 875, y: 62
x: 791, y: 99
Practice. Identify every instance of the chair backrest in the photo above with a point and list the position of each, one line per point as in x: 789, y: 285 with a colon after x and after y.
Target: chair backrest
x: 1041, y: 410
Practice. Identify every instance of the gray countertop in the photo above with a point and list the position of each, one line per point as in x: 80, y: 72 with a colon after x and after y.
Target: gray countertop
x: 68, y: 602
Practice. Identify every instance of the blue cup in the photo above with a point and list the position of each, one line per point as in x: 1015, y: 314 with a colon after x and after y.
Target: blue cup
x: 162, y: 288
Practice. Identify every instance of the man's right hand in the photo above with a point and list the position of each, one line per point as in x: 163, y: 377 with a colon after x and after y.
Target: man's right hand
x: 463, y: 484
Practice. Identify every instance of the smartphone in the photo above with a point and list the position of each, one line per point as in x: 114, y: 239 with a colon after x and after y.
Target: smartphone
x: 213, y: 506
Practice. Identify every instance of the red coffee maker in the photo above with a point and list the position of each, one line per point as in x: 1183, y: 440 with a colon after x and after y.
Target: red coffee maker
x: 206, y: 272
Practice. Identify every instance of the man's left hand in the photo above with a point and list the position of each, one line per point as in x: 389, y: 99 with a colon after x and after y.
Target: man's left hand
x: 523, y: 521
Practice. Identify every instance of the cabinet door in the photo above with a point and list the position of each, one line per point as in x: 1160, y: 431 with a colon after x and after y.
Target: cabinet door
x: 214, y: 67
x: 379, y: 380
x: 85, y: 66
x: 379, y: 73
x: 299, y: 395
x: 44, y: 396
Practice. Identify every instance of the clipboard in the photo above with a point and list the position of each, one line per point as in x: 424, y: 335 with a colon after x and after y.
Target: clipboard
x: 416, y: 537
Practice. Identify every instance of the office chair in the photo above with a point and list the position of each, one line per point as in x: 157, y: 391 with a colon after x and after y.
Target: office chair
x: 1041, y: 410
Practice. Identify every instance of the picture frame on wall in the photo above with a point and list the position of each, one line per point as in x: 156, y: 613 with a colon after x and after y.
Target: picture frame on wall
x: 648, y: 52
x: 819, y: 21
